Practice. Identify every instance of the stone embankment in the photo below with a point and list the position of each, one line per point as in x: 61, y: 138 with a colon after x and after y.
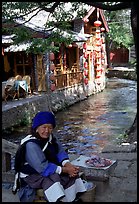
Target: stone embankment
x: 122, y: 72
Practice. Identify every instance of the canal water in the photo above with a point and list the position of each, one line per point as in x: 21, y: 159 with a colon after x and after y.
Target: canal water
x: 88, y: 126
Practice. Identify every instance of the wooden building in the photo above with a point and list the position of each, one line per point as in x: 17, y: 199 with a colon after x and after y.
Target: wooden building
x: 82, y: 62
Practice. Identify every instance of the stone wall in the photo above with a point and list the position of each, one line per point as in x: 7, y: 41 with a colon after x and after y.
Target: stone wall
x: 25, y: 109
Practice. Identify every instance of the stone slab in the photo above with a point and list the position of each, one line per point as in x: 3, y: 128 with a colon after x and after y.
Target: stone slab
x: 94, y: 173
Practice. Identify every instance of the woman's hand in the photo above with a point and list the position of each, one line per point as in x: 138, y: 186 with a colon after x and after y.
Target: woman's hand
x: 71, y: 169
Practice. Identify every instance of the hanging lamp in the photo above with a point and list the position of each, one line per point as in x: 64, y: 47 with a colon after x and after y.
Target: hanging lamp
x: 97, y: 23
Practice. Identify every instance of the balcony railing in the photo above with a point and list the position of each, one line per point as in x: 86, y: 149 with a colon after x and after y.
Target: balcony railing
x: 68, y: 79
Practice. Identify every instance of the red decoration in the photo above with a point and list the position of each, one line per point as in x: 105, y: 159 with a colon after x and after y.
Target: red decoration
x: 53, y: 87
x: 98, y: 76
x: 85, y: 46
x: 86, y: 81
x: 98, y: 49
x: 98, y: 36
x: 98, y: 43
x: 85, y: 72
x: 85, y: 64
x: 97, y: 23
x: 102, y: 29
x: 97, y: 30
x: 52, y: 67
x: 52, y: 56
x: 98, y: 70
x: 102, y: 55
x: 85, y: 54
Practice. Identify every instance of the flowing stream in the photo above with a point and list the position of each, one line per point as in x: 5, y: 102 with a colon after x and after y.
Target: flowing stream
x: 88, y: 126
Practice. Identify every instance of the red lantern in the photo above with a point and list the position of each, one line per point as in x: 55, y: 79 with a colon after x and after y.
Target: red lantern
x: 99, y: 70
x: 102, y: 55
x: 52, y: 67
x: 52, y: 56
x: 98, y: 54
x: 85, y: 54
x: 85, y: 64
x: 53, y: 87
x: 85, y: 72
x: 98, y: 43
x: 98, y: 76
x: 97, y: 30
x: 97, y: 23
x: 98, y: 49
x: 98, y: 36
x: 84, y: 46
x: 98, y: 81
x: 86, y: 81
x: 102, y: 29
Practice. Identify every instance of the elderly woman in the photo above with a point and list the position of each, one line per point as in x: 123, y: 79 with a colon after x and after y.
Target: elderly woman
x: 47, y: 165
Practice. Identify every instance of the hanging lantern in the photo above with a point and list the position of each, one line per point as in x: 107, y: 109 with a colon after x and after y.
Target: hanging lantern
x: 99, y: 70
x: 52, y: 56
x: 99, y: 67
x: 53, y: 87
x: 98, y: 49
x: 86, y: 81
x: 85, y: 64
x: 102, y: 40
x: 103, y: 61
x: 102, y: 55
x: 91, y: 54
x: 52, y: 67
x: 97, y: 30
x: 85, y: 55
x: 97, y: 36
x: 85, y: 46
x: 98, y: 55
x: 98, y: 81
x: 98, y: 43
x: 98, y: 63
x: 102, y: 29
x: 98, y: 76
x: 97, y: 23
x: 85, y: 72
x: 52, y: 77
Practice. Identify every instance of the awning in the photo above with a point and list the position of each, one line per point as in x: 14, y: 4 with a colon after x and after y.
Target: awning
x: 6, y: 39
x: 17, y: 48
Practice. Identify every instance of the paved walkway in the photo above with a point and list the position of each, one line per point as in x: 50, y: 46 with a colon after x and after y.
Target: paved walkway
x: 122, y: 183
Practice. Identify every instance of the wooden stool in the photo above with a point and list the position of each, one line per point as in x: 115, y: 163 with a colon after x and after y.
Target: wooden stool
x: 40, y: 196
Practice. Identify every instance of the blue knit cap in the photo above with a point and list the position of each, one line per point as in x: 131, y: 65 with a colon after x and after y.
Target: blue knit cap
x: 43, y: 118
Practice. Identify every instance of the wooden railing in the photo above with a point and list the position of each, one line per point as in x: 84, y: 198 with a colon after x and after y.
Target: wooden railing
x: 68, y: 79
x: 8, y: 151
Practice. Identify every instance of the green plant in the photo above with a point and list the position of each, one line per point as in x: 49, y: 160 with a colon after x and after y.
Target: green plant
x: 122, y: 138
x: 25, y: 120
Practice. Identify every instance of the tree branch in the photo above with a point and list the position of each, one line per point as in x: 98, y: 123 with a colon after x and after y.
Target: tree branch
x: 119, y: 6
x: 51, y: 9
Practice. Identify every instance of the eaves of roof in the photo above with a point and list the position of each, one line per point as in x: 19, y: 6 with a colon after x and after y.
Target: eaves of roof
x: 101, y: 14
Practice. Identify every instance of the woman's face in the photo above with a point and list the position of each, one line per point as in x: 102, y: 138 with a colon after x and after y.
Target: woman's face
x: 44, y: 130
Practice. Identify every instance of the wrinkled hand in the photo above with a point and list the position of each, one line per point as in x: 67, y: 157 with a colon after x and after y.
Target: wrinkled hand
x: 71, y: 169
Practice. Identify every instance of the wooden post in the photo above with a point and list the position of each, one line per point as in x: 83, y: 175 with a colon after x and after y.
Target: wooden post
x: 6, y: 161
